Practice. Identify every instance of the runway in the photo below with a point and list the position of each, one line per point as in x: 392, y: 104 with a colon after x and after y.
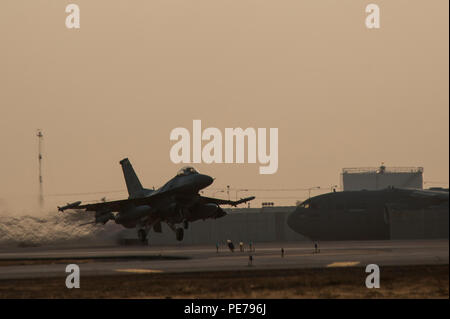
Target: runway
x: 40, y: 262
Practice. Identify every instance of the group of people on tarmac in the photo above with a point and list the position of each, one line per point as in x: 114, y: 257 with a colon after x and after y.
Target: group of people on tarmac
x: 252, y: 249
x: 230, y: 245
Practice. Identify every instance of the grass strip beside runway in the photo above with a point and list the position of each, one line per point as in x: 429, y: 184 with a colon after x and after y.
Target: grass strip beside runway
x: 428, y: 281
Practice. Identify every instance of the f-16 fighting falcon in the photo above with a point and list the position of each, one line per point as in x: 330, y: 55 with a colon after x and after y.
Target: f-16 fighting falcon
x: 177, y: 202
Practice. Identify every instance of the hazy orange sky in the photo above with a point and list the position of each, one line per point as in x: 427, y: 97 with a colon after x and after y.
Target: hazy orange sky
x: 340, y: 94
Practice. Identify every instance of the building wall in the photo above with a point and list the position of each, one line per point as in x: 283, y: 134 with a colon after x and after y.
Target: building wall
x: 241, y: 224
x: 268, y: 224
x: 374, y: 180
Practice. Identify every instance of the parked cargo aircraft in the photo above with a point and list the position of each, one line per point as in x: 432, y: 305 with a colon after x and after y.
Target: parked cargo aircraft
x: 177, y: 202
x: 367, y: 215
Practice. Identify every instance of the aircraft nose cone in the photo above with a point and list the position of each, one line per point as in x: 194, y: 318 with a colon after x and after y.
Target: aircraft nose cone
x: 205, y: 180
x: 297, y: 220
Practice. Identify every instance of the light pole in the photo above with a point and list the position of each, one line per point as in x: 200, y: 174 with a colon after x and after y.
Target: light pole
x: 311, y: 188
x: 41, y: 192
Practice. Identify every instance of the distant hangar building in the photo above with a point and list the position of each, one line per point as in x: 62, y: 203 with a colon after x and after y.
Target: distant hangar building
x: 375, y: 178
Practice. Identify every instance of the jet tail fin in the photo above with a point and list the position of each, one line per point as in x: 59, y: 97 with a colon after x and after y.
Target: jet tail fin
x: 134, y: 186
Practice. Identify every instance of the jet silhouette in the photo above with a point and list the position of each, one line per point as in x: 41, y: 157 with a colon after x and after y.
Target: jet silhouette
x: 177, y: 202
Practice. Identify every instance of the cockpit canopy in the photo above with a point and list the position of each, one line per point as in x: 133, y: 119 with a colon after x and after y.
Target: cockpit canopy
x: 309, y: 204
x: 187, y: 170
x: 305, y: 204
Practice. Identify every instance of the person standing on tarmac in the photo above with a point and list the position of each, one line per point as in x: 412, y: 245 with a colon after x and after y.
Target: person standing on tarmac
x: 250, y: 260
x: 230, y: 245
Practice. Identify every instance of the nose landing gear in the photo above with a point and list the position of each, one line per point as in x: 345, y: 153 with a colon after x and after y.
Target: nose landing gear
x: 179, y: 234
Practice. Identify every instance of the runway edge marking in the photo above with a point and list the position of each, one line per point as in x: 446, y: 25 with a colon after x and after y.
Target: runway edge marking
x: 343, y: 264
x: 140, y: 271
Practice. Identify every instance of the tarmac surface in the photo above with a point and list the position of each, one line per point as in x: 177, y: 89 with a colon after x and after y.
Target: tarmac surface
x: 39, y: 262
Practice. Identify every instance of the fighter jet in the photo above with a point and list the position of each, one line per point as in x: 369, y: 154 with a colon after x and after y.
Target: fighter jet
x: 365, y: 215
x: 177, y: 202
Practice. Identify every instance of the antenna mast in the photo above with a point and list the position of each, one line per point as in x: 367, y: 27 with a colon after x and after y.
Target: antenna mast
x: 41, y: 193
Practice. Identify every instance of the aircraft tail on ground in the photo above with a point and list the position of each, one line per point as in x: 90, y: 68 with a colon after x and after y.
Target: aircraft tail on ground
x: 134, y: 186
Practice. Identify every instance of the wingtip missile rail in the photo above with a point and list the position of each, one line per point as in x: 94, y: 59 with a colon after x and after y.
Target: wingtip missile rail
x: 69, y: 206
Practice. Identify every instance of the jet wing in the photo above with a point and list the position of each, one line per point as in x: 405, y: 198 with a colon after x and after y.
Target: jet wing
x: 113, y: 206
x: 219, y: 201
x: 117, y: 205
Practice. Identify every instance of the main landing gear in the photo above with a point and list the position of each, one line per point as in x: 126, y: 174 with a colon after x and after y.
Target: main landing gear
x: 179, y: 232
x: 142, y: 235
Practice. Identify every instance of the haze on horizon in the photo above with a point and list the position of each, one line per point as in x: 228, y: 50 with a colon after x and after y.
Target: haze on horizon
x: 341, y: 95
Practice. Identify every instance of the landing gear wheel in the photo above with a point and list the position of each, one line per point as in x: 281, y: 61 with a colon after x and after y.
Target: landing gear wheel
x: 179, y: 234
x: 185, y: 224
x: 142, y: 235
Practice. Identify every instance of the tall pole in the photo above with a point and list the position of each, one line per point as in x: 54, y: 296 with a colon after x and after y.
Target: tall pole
x: 41, y: 192
x: 310, y: 189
